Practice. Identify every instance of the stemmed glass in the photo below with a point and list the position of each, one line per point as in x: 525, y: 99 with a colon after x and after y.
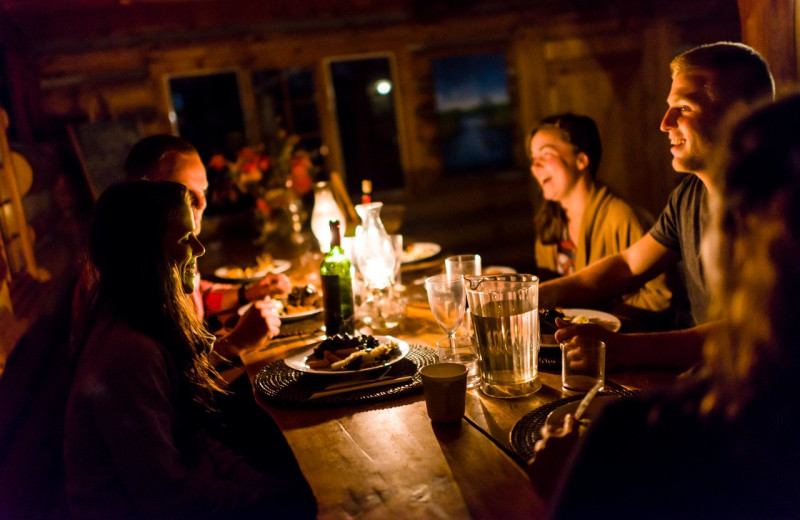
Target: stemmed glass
x: 467, y: 265
x: 448, y: 298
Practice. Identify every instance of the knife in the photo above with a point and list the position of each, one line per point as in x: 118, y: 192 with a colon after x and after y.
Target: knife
x: 371, y: 384
x: 587, y: 399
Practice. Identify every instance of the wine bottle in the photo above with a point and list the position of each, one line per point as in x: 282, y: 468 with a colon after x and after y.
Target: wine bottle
x: 337, y: 287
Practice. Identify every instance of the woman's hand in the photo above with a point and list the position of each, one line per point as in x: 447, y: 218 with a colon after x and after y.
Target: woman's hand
x: 260, y: 323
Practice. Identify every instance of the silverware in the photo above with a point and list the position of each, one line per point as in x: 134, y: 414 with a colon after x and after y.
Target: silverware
x: 383, y: 381
x: 359, y: 379
x: 587, y: 399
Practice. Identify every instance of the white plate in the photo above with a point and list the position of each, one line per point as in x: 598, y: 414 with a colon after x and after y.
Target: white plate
x: 297, y: 361
x: 285, y: 318
x: 498, y: 269
x: 556, y: 417
x: 297, y: 316
x: 277, y: 266
x: 420, y: 251
x: 601, y: 318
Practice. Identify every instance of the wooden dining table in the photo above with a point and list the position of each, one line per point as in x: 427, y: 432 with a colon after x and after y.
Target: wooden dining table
x: 388, y: 460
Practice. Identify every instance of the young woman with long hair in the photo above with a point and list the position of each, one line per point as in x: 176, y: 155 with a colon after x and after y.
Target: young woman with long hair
x: 135, y: 446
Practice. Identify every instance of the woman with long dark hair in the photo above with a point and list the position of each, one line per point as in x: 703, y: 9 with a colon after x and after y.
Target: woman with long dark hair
x: 135, y: 445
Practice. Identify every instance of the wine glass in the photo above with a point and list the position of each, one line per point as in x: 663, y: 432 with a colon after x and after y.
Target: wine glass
x: 467, y: 265
x: 448, y: 299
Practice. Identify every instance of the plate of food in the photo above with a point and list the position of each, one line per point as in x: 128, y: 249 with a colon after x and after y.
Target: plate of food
x: 547, y: 319
x: 302, y: 302
x: 419, y: 251
x: 263, y: 267
x: 344, y: 354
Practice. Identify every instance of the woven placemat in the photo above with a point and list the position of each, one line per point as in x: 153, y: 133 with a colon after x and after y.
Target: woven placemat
x: 527, y: 431
x: 278, y: 384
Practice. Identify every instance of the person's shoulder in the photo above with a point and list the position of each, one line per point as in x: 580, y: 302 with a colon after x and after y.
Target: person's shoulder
x: 613, y: 208
x: 689, y: 186
x: 115, y: 343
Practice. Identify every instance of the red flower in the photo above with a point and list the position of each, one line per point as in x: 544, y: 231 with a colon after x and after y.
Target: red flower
x: 217, y: 162
x: 301, y: 179
x: 262, y: 206
x: 247, y: 154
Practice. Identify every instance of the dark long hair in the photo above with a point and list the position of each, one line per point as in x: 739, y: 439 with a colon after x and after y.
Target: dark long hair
x: 581, y: 132
x: 138, y: 284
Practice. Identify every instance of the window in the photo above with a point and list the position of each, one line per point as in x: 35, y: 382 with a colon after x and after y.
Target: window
x: 286, y: 99
x: 207, y: 111
x: 364, y: 91
x: 473, y: 111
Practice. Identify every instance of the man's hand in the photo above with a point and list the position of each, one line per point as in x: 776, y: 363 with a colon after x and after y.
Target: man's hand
x: 615, y: 354
x: 270, y: 285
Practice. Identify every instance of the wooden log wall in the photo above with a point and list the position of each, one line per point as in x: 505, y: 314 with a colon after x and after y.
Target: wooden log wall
x: 611, y: 66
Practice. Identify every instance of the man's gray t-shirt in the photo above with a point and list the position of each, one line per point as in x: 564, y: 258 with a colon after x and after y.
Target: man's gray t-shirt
x: 680, y: 228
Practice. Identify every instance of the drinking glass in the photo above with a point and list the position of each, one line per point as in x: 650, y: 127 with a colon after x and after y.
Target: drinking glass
x: 467, y: 265
x: 447, y: 297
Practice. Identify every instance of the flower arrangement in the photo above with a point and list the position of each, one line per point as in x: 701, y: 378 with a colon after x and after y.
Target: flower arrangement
x: 267, y: 178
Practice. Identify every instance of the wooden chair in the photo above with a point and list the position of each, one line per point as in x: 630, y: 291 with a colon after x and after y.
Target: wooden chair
x: 21, y: 279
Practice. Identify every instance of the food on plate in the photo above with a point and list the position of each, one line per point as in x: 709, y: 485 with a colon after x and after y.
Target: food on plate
x: 547, y: 320
x: 580, y: 319
x: 345, y: 352
x: 301, y: 299
x: 263, y: 263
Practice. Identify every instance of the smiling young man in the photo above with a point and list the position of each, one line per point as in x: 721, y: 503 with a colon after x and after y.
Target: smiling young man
x: 707, y: 82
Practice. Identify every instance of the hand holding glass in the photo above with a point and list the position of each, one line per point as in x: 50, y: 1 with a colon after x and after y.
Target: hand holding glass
x: 447, y: 297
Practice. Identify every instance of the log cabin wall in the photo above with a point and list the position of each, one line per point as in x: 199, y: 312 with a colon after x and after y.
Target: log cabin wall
x: 605, y: 59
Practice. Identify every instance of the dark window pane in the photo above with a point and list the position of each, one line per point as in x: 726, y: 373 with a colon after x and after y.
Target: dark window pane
x: 305, y: 118
x: 209, y: 112
x: 473, y: 109
x: 365, y: 114
x: 301, y: 83
x: 285, y: 99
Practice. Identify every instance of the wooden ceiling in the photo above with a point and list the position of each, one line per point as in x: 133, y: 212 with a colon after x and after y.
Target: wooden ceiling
x: 81, y: 23
x: 83, y: 20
